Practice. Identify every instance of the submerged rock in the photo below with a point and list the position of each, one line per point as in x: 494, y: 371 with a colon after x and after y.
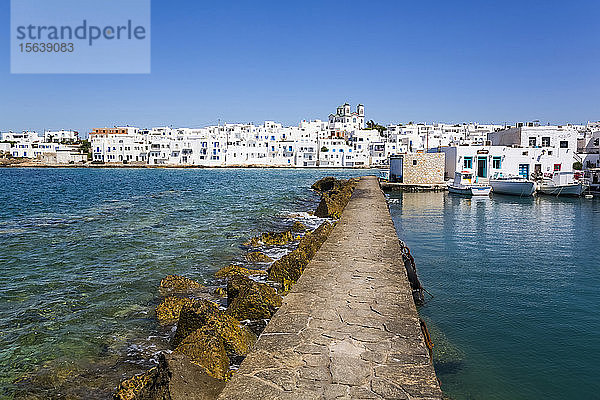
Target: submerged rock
x: 235, y: 270
x: 299, y: 227
x: 271, y: 239
x: 251, y: 300
x: 287, y: 270
x: 204, y: 314
x: 258, y: 257
x: 167, y: 312
x: 177, y: 284
x: 335, y: 200
x: 206, y: 349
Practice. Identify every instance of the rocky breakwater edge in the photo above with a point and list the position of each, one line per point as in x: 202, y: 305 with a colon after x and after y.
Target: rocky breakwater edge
x: 213, y: 331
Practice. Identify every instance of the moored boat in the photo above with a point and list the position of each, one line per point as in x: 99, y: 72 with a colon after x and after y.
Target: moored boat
x: 513, y: 185
x: 562, y: 184
x: 462, y: 184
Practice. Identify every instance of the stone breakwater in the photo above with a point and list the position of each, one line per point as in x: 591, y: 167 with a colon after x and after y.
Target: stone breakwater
x: 348, y: 328
x: 214, y: 330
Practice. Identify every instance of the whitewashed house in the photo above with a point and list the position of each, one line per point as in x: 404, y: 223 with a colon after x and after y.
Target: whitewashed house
x: 485, y: 162
x: 61, y: 136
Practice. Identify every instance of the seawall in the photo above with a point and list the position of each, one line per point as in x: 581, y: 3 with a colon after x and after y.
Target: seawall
x: 349, y: 327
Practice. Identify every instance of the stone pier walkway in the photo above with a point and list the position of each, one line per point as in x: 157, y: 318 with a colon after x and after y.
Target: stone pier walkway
x: 349, y: 327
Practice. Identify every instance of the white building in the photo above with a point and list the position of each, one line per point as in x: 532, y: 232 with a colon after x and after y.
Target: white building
x: 62, y: 136
x: 485, y: 162
x: 29, y: 144
x: 533, y: 135
x: 345, y: 121
x: 118, y: 145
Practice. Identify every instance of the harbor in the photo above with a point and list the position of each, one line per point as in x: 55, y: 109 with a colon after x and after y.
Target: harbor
x: 460, y: 280
x: 299, y: 200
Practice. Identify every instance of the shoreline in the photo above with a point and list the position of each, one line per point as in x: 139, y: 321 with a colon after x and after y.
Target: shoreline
x: 213, y: 334
x: 173, y: 166
x: 216, y: 339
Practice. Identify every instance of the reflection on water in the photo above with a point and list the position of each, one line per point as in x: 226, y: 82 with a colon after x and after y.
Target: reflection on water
x: 515, y: 280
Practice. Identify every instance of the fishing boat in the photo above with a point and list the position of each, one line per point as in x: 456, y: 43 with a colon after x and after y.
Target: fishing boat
x: 384, y: 175
x: 462, y: 184
x: 562, y: 184
x: 512, y: 185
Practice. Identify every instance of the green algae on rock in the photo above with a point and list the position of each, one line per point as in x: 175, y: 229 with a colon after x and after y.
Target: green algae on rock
x: 258, y: 257
x: 188, y: 380
x: 251, y: 300
x: 298, y: 227
x: 271, y: 239
x: 237, y: 339
x: 150, y: 385
x: 287, y: 270
x: 334, y: 201
x: 326, y: 184
x: 167, y: 312
x: 205, y: 348
x: 176, y: 377
x: 234, y: 270
x: 177, y: 284
x: 193, y: 317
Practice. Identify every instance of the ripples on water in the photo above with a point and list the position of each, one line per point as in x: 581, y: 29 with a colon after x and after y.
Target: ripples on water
x: 516, y: 285
x: 83, y: 251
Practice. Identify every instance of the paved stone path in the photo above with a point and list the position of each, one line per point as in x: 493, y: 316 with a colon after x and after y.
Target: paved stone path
x: 349, y: 327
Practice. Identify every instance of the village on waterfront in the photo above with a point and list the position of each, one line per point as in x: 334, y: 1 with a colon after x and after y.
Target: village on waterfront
x: 569, y: 153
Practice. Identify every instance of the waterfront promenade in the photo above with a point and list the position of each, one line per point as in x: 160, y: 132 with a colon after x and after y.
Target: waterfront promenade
x: 349, y: 327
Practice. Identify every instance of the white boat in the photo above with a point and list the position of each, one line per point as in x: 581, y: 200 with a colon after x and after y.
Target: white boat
x: 384, y: 175
x: 513, y: 185
x: 462, y: 184
x: 562, y: 184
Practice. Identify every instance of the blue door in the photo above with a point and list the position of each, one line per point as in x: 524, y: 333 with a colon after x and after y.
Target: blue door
x: 524, y: 170
x: 482, y: 167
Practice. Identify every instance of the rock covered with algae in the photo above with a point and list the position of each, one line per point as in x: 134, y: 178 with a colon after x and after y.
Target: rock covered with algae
x: 167, y: 312
x: 206, y: 349
x: 177, y: 284
x: 237, y: 339
x: 271, y: 239
x: 175, y: 377
x: 258, y: 257
x: 334, y: 200
x: 326, y: 184
x: 234, y: 270
x: 250, y: 300
x: 287, y: 270
x: 298, y: 227
x: 151, y: 385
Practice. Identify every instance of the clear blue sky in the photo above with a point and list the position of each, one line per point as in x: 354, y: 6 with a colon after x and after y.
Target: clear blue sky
x: 248, y: 61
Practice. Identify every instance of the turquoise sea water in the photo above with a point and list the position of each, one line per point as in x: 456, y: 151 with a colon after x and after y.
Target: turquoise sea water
x: 516, y: 312
x: 82, y: 252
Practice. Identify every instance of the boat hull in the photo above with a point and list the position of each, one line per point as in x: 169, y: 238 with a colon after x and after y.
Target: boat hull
x: 481, y: 190
x: 513, y: 188
x: 470, y: 191
x: 575, y: 189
